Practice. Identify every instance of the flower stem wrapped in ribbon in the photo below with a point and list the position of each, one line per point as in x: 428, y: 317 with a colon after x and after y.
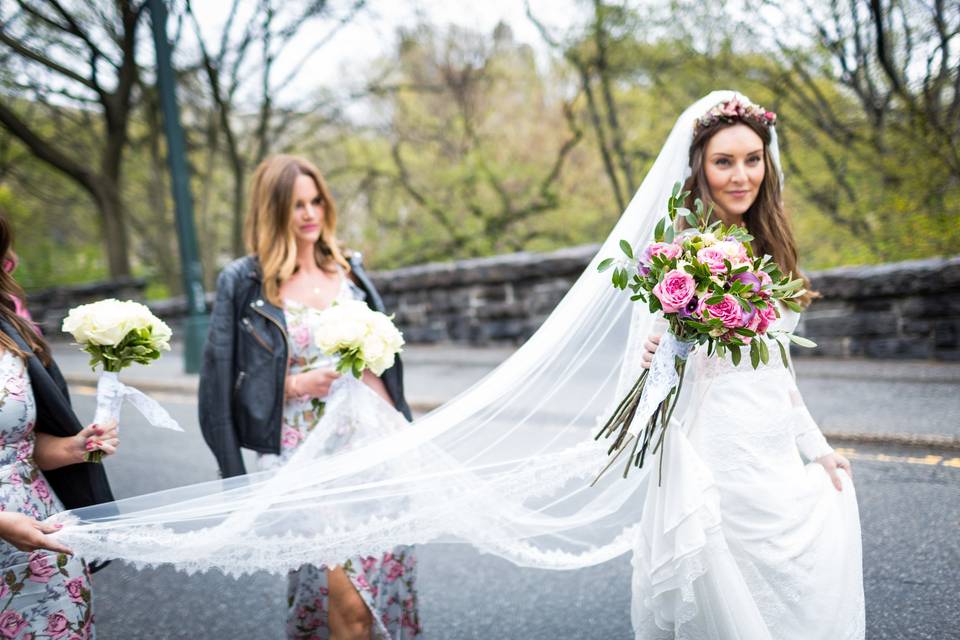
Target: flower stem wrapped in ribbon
x: 712, y: 290
x: 117, y: 334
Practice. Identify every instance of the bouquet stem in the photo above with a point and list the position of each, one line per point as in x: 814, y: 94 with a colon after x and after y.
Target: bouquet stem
x: 109, y: 400
x: 653, y: 401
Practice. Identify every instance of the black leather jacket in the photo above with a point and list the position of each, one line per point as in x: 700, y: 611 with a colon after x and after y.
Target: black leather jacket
x: 245, y: 366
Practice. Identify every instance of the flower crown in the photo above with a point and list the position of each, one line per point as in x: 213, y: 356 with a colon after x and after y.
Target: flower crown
x: 732, y: 110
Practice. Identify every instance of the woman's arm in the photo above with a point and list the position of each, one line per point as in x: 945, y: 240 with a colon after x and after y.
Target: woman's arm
x: 53, y: 452
x: 377, y: 385
x: 215, y: 394
x: 810, y: 440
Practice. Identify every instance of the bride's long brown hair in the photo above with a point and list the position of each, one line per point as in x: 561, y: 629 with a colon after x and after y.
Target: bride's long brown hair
x: 9, y: 289
x: 766, y: 219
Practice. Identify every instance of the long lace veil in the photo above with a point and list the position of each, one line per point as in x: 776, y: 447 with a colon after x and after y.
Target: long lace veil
x: 505, y: 466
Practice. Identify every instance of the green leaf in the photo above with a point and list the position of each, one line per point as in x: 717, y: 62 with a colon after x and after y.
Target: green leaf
x: 790, y: 304
x: 658, y: 232
x: 802, y: 342
x: 754, y: 354
x: 604, y: 265
x: 717, y: 299
x: 764, y: 351
x: 626, y: 248
x: 743, y: 331
x: 783, y: 354
x: 735, y: 356
x: 745, y: 305
x: 669, y: 234
x: 676, y: 189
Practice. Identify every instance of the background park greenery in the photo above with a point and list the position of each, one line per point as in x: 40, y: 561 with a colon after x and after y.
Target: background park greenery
x: 458, y: 142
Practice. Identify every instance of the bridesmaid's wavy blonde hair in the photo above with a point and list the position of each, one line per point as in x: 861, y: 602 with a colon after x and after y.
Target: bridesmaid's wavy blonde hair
x: 268, y: 230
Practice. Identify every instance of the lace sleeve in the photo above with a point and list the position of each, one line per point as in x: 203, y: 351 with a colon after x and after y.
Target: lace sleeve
x: 810, y: 440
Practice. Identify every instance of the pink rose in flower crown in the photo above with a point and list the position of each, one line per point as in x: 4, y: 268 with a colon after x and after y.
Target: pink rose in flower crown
x: 675, y: 290
x: 727, y: 310
x: 40, y: 568
x: 730, y: 108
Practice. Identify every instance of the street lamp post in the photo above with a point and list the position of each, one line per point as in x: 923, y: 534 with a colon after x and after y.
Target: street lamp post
x: 192, y: 272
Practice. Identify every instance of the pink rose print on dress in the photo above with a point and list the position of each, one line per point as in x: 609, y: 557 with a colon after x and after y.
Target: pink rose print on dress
x: 369, y: 563
x: 301, y: 336
x: 75, y: 589
x: 11, y: 623
x: 290, y: 437
x: 40, y: 568
x: 42, y: 490
x: 57, y: 625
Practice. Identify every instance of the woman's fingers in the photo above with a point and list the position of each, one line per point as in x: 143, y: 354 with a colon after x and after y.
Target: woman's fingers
x: 40, y: 541
x: 835, y: 478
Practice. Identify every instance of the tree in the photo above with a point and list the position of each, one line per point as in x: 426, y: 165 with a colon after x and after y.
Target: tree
x: 75, y: 69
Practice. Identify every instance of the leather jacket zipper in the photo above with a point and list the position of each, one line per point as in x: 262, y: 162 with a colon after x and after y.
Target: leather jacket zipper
x: 236, y: 385
x: 286, y: 338
x: 256, y: 336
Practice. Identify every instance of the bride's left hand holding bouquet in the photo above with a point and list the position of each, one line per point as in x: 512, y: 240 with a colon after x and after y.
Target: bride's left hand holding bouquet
x: 117, y: 334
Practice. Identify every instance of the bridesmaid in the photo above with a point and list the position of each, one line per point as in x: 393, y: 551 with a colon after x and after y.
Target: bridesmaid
x: 45, y: 591
x: 263, y: 383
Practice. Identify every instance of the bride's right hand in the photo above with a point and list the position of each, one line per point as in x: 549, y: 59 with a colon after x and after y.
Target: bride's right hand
x: 649, y: 348
x: 312, y: 384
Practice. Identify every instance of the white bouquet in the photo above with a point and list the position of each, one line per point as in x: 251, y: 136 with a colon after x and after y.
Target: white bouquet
x: 117, y: 334
x: 360, y: 337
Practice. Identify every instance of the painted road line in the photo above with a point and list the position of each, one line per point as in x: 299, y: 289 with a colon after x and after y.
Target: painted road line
x: 929, y: 459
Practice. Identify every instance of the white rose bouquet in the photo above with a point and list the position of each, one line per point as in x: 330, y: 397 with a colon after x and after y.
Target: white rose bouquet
x: 359, y: 337
x: 117, y: 334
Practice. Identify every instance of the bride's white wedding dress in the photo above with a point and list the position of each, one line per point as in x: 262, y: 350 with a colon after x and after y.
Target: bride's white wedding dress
x: 743, y: 540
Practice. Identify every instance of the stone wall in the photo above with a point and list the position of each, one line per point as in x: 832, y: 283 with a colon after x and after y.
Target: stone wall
x: 902, y: 310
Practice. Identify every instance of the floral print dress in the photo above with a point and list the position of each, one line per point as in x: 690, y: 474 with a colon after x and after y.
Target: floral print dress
x: 387, y: 584
x: 43, y: 594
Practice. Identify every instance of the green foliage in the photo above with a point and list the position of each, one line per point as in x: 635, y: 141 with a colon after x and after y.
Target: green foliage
x: 136, y: 347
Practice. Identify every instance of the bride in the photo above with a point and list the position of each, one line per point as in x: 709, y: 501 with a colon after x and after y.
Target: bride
x: 740, y: 540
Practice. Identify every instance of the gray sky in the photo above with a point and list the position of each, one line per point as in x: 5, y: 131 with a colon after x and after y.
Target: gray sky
x: 373, y: 33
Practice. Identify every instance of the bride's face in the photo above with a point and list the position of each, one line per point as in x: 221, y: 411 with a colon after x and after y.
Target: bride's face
x: 734, y: 168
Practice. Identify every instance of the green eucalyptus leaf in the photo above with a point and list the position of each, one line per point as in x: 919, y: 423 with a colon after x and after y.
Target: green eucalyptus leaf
x: 626, y: 248
x: 604, y: 265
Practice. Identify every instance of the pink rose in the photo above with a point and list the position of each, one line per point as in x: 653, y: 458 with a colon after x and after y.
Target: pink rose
x: 767, y: 317
x: 666, y: 249
x: 41, y: 489
x: 57, y: 624
x: 732, y: 250
x: 24, y: 450
x: 394, y: 571
x: 290, y: 437
x: 713, y: 258
x: 727, y: 310
x: 301, y: 336
x: 362, y: 582
x: 40, y: 568
x: 11, y: 623
x: 730, y: 109
x: 675, y: 290
x: 75, y: 589
x: 368, y: 563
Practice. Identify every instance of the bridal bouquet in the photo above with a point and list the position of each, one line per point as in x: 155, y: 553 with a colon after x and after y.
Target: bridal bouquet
x: 359, y: 337
x: 117, y: 334
x: 712, y: 290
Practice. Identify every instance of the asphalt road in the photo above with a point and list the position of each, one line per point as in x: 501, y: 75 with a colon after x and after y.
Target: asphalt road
x: 909, y: 505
